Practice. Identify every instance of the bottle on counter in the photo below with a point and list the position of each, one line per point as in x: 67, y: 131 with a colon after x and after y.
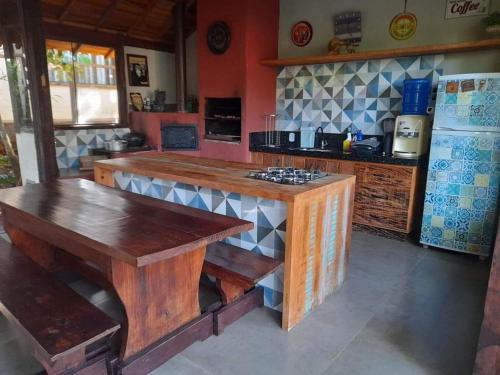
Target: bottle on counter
x: 346, y: 145
x: 359, y: 135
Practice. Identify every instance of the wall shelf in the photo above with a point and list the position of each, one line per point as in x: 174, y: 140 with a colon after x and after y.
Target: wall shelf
x: 388, y: 53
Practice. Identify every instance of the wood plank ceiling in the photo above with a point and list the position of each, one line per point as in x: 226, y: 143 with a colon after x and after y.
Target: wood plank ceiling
x: 151, y: 21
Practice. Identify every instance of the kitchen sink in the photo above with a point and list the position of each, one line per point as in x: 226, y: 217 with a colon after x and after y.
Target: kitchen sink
x: 313, y: 149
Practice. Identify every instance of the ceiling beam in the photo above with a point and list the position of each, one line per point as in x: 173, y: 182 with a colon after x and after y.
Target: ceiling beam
x: 152, y: 4
x: 67, y: 8
x: 110, y: 51
x: 87, y: 35
x: 107, y: 12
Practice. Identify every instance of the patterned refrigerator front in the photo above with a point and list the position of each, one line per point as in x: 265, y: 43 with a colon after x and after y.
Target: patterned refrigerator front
x: 461, y: 198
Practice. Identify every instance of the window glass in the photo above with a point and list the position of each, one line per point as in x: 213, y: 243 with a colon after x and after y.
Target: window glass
x: 6, y: 107
x: 82, y: 83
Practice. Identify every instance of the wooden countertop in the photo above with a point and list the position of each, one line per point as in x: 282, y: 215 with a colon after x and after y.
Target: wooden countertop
x: 215, y: 174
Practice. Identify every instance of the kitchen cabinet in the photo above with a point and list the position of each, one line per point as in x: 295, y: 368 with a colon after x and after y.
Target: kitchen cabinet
x: 104, y: 177
x: 387, y: 195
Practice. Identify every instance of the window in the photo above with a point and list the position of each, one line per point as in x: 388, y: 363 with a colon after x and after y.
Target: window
x: 6, y: 107
x: 83, y: 86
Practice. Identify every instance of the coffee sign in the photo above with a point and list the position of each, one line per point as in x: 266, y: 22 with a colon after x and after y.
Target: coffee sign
x: 464, y: 8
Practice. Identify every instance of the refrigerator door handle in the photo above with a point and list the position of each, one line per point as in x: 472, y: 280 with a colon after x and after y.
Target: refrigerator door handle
x: 464, y: 131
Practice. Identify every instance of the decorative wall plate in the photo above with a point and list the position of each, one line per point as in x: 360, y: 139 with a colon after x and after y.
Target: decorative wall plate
x: 218, y: 37
x: 403, y: 26
x: 301, y: 33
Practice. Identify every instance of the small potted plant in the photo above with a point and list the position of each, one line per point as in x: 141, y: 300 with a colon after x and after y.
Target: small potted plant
x: 492, y: 23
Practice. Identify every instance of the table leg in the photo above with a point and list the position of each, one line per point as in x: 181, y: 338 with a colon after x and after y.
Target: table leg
x: 39, y: 251
x: 158, y: 298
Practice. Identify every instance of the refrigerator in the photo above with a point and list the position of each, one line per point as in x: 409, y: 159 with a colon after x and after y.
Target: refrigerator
x: 461, y: 196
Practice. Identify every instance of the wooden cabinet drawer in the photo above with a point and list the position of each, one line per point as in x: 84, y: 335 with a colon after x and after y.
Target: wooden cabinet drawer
x: 383, y: 197
x: 272, y: 160
x: 389, y: 175
x: 315, y: 163
x: 104, y: 177
x: 324, y: 165
x: 388, y: 218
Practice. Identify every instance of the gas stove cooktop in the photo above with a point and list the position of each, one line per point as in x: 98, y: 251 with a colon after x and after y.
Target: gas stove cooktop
x: 287, y: 175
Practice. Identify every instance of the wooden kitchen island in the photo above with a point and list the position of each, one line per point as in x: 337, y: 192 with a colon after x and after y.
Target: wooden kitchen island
x: 308, y: 226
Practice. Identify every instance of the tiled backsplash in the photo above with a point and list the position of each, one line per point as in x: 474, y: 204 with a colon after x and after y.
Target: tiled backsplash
x: 358, y: 94
x: 71, y: 144
x: 269, y: 217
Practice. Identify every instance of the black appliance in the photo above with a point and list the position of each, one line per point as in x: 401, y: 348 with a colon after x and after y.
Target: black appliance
x: 287, y: 175
x: 223, y: 119
x: 134, y: 139
x: 388, y: 126
x: 366, y: 148
x: 179, y: 137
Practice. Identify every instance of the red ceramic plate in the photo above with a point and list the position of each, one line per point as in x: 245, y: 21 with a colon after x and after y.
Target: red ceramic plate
x: 302, y: 33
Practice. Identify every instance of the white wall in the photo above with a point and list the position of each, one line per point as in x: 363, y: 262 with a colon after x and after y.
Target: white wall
x: 192, y: 64
x: 376, y: 16
x: 161, y: 67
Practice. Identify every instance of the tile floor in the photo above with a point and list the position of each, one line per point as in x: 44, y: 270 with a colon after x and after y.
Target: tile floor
x: 403, y: 310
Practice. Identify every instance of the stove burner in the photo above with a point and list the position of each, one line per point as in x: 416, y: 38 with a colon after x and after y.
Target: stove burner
x: 287, y: 175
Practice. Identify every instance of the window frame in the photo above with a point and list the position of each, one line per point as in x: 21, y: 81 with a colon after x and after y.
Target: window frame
x: 108, y: 41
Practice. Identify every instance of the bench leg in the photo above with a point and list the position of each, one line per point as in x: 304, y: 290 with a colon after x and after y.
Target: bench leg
x: 229, y: 292
x: 68, y: 363
x: 228, y: 314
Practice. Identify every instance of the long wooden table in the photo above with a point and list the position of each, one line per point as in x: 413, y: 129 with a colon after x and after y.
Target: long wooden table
x: 150, y: 252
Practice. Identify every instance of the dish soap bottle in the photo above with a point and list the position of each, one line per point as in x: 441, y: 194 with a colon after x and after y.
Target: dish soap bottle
x: 359, y: 135
x: 346, y: 145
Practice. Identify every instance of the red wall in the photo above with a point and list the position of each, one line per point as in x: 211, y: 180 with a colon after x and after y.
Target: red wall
x: 254, y: 36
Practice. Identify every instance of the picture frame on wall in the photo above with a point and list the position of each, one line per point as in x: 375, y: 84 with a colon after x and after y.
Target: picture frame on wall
x: 137, y: 102
x: 138, y: 72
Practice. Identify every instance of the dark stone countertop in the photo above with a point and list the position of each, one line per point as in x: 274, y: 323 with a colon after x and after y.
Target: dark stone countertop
x: 334, y: 154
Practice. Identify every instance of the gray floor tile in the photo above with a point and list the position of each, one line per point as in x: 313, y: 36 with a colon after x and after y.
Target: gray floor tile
x: 402, y: 310
x: 180, y: 365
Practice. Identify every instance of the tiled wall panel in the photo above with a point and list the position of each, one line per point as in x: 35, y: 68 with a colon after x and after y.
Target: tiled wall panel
x: 268, y: 216
x: 358, y: 94
x: 71, y: 144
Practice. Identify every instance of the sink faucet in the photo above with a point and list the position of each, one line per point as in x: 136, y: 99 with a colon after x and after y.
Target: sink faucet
x: 323, y: 141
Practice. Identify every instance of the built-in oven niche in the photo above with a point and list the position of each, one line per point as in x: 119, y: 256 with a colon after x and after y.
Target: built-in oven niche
x: 223, y: 119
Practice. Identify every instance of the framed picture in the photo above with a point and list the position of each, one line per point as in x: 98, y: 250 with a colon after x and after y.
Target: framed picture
x: 137, y: 101
x: 138, y: 74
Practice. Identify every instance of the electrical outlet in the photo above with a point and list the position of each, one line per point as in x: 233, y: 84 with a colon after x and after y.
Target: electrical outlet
x: 291, y: 137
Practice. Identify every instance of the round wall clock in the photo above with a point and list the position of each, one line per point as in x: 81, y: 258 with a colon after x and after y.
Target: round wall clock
x: 301, y: 33
x: 403, y: 26
x: 218, y: 38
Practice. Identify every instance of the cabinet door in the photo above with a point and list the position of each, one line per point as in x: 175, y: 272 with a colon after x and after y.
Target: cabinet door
x: 272, y: 160
x: 316, y: 163
x: 383, y: 196
x: 347, y: 167
x: 333, y: 166
x: 299, y: 162
x: 256, y: 157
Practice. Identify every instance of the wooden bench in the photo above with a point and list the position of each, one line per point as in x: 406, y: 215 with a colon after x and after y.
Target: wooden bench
x: 64, y: 331
x: 237, y: 272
